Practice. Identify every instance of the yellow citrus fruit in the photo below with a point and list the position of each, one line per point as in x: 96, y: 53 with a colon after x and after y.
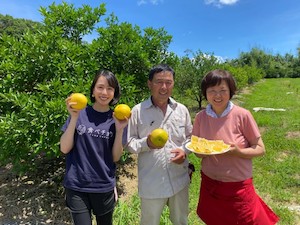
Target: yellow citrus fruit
x: 80, y: 99
x: 159, y: 137
x: 194, y: 139
x: 122, y: 111
x: 203, y: 145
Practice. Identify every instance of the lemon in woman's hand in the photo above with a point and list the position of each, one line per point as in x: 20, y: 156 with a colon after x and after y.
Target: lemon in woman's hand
x: 122, y: 111
x: 159, y: 137
x: 79, y: 99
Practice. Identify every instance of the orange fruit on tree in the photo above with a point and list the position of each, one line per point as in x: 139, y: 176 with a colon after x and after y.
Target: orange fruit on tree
x: 80, y: 100
x: 159, y: 137
x: 122, y: 111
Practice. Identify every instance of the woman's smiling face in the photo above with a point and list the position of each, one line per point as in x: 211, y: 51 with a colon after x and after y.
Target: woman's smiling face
x: 103, y: 92
x: 218, y: 96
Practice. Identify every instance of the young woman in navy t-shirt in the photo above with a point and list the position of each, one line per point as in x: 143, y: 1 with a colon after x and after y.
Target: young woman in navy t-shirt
x: 92, y: 142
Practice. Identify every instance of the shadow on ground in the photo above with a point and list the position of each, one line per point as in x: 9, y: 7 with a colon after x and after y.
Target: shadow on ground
x: 38, y: 198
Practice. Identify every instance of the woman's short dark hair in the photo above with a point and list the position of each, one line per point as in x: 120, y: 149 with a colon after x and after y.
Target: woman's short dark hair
x: 160, y: 68
x: 112, y: 82
x: 215, y: 77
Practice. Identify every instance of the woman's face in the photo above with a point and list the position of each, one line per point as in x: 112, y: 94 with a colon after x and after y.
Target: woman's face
x: 103, y: 92
x: 218, y: 96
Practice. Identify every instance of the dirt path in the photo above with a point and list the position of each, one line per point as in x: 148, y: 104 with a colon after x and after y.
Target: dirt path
x: 39, y: 199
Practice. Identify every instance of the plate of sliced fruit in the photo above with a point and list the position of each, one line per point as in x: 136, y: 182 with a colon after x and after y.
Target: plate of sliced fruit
x: 203, y: 146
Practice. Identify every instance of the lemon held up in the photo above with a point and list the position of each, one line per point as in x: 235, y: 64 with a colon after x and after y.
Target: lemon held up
x: 122, y: 111
x: 159, y: 137
x: 80, y: 100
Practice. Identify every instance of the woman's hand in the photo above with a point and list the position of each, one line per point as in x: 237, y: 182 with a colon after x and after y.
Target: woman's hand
x: 255, y: 149
x: 72, y: 112
x: 234, y: 149
x: 120, y: 124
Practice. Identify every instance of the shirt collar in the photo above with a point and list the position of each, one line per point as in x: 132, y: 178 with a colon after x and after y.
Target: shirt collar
x: 211, y: 112
x: 148, y: 103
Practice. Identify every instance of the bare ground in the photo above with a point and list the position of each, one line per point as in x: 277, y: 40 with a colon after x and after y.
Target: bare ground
x: 39, y: 198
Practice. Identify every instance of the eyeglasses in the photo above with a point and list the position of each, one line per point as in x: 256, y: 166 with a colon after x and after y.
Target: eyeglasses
x: 214, y: 92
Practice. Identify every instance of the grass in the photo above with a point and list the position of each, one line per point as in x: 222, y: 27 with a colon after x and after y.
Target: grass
x: 276, y: 175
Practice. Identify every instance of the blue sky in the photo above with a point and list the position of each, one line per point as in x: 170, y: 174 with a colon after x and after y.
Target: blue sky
x: 222, y: 27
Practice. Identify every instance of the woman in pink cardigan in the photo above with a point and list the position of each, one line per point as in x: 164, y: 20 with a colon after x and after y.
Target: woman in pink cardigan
x: 227, y: 194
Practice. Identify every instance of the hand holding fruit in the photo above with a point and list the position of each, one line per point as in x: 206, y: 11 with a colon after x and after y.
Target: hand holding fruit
x: 157, y: 138
x: 76, y: 102
x: 122, y: 112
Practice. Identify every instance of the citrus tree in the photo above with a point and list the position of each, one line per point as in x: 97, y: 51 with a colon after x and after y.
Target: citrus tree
x: 130, y: 51
x: 37, y: 71
x: 274, y: 66
x: 190, y: 72
x: 192, y: 69
x: 40, y: 68
x: 16, y: 27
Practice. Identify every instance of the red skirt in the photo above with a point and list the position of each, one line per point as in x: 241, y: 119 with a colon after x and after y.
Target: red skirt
x: 230, y: 203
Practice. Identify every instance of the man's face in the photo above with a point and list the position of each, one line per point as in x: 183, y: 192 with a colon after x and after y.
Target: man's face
x: 161, y: 86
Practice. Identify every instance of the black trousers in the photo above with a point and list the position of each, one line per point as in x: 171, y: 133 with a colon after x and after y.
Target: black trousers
x: 82, y: 205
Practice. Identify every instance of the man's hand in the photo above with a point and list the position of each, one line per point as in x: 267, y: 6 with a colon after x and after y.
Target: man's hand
x: 149, y: 143
x: 179, y: 156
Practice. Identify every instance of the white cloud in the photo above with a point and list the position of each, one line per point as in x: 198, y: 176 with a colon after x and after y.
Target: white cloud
x: 141, y: 2
x: 153, y: 2
x: 228, y: 2
x: 220, y: 3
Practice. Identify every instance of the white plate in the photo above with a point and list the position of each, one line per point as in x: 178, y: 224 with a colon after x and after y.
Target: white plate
x: 206, y: 153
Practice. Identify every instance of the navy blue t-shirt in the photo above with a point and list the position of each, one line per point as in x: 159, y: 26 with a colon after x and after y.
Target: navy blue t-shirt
x: 89, y: 165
